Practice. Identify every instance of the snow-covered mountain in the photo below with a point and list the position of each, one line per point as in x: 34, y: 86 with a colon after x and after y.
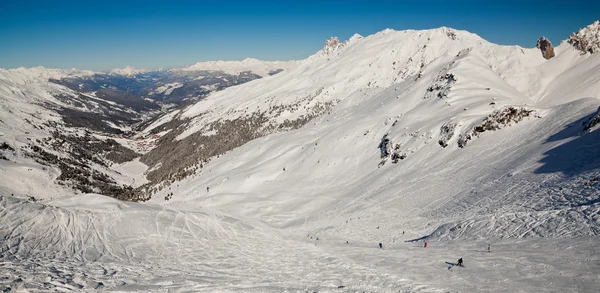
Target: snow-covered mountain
x: 178, y: 85
x: 57, y: 141
x: 48, y: 114
x: 21, y: 76
x: 128, y: 71
x: 290, y: 182
x: 259, y: 67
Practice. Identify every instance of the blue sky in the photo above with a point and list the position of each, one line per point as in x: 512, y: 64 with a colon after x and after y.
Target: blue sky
x: 99, y: 35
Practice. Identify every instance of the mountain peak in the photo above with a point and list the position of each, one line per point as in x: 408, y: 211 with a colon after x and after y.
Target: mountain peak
x: 127, y: 71
x: 587, y: 39
x: 251, y: 60
x: 256, y: 66
x: 332, y: 45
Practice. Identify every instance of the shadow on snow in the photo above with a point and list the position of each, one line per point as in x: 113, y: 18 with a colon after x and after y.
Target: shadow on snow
x: 577, y: 156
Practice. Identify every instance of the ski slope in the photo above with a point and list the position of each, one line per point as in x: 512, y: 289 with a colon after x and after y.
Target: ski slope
x: 250, y: 219
x: 88, y: 242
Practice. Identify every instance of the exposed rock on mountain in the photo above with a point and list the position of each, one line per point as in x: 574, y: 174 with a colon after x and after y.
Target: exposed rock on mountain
x: 332, y: 45
x: 546, y: 47
x: 587, y: 39
x: 592, y: 121
x: 495, y: 121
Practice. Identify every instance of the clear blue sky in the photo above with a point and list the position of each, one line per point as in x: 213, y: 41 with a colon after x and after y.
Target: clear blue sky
x: 106, y: 34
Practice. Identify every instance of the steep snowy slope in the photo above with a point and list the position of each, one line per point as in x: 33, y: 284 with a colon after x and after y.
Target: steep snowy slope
x: 331, y: 165
x: 422, y: 66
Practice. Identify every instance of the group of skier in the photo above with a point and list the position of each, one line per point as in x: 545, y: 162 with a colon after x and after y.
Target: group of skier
x: 458, y: 263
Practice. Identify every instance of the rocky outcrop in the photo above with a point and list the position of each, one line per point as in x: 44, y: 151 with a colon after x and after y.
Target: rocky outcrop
x: 332, y: 45
x: 495, y: 121
x: 592, y: 121
x: 546, y: 47
x: 587, y: 39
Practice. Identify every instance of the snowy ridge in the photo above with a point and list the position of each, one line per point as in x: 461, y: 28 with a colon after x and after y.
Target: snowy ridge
x: 390, y: 57
x: 128, y: 71
x: 372, y: 63
x: 333, y: 45
x: 24, y: 75
x: 262, y: 68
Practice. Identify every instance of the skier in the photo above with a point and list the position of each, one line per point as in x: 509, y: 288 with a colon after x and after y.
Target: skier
x: 207, y: 189
x: 459, y: 262
x: 380, y: 245
x: 425, y: 244
x: 489, y: 248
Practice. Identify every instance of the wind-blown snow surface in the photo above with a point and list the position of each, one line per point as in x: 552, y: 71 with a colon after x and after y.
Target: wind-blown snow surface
x: 527, y: 189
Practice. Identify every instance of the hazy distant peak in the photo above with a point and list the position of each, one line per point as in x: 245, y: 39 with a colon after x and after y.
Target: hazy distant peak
x: 127, y: 71
x: 260, y: 67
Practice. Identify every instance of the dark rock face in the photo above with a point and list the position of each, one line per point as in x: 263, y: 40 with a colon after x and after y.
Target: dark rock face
x: 495, y: 121
x: 546, y: 47
x: 592, y: 121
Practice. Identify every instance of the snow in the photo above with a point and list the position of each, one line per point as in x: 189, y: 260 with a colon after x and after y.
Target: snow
x: 30, y: 179
x: 134, y: 172
x: 128, y: 71
x: 253, y: 65
x: 389, y: 58
x: 167, y: 89
x: 204, y: 251
x: 26, y: 94
x: 161, y: 120
x: 527, y: 189
x: 24, y: 75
